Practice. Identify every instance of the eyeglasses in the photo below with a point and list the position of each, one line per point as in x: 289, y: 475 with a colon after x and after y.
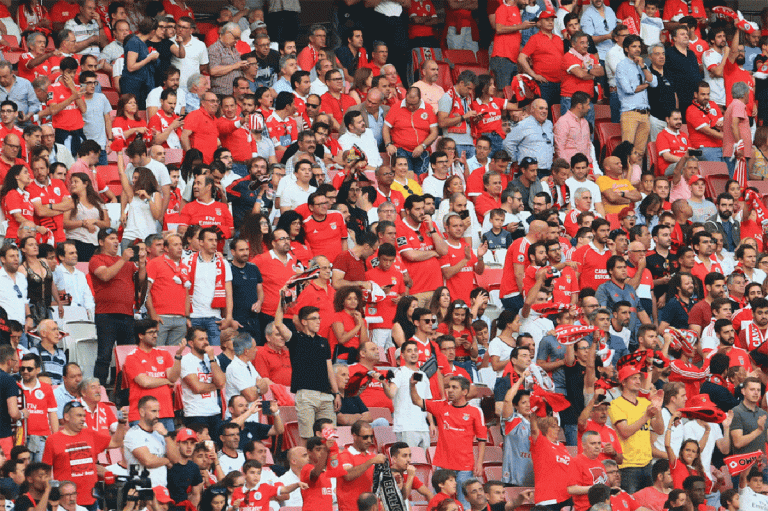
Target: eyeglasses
x: 313, y: 105
x: 18, y: 291
x: 313, y: 318
x: 282, y: 238
x: 366, y: 437
x: 219, y: 490
x: 24, y: 369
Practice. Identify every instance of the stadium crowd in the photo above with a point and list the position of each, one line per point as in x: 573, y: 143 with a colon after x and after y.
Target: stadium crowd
x: 388, y: 266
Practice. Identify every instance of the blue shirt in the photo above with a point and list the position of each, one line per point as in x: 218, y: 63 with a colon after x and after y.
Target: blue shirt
x: 674, y: 313
x: 529, y: 138
x: 608, y: 294
x: 282, y: 85
x: 594, y: 24
x: 245, y: 282
x: 376, y: 125
x: 629, y: 77
x: 23, y: 94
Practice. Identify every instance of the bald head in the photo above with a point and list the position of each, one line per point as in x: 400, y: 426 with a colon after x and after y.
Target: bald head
x: 297, y: 457
x: 636, y: 248
x: 374, y: 95
x: 612, y: 166
x: 538, y: 229
x: 11, y: 146
x: 11, y: 138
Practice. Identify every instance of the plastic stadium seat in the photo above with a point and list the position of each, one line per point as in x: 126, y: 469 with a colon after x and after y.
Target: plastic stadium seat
x: 602, y: 112
x: 104, y: 80
x: 716, y: 184
x: 418, y: 456
x: 608, y: 133
x: 391, y: 356
x: 762, y: 186
x: 112, y: 96
x: 288, y: 414
x: 483, y: 59
x: 13, y: 56
x: 380, y: 412
x: 345, y: 436
x: 460, y: 56
x: 174, y: 155
x: 555, y: 110
x: 653, y: 157
x: 424, y: 473
x: 709, y: 168
x: 493, y: 455
x: 291, y: 436
x: 384, y: 438
x: 12, y: 41
x: 492, y: 473
x: 491, y: 278
x: 444, y: 78
x: 459, y: 68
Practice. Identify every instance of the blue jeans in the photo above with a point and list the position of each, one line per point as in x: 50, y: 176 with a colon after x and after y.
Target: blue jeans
x: 711, y: 153
x: 615, y: 108
x: 212, y: 422
x: 731, y: 164
x: 571, y: 434
x: 469, y: 149
x: 550, y: 92
x: 513, y: 304
x: 497, y: 142
x: 70, y: 139
x: 102, y: 157
x: 165, y: 421
x: 635, y: 478
x: 418, y: 165
x: 461, y: 476
x: 210, y: 327
x: 111, y: 329
x: 565, y: 105
x: 504, y: 69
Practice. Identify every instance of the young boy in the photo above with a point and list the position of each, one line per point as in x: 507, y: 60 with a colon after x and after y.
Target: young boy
x: 175, y: 203
x: 498, y: 238
x: 445, y: 481
x: 651, y: 24
x: 405, y: 473
x: 482, y: 336
x: 248, y: 499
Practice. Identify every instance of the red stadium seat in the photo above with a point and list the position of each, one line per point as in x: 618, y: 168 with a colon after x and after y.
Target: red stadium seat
x: 13, y: 56
x: 483, y: 59
x: 384, y: 438
x: 716, y: 184
x: 493, y: 454
x: 391, y: 356
x: 174, y: 155
x: 459, y: 68
x: 607, y: 134
x: 418, y: 456
x: 602, y: 112
x: 495, y: 435
x: 444, y: 78
x: 288, y: 414
x: 555, y: 110
x: 653, y: 157
x: 762, y: 186
x: 424, y: 473
x: 491, y: 278
x: 710, y: 168
x: 509, y: 93
x: 460, y: 57
x: 291, y: 437
x: 12, y: 41
x: 492, y: 473
x: 345, y: 436
x: 112, y: 96
x: 104, y: 80
x: 380, y: 413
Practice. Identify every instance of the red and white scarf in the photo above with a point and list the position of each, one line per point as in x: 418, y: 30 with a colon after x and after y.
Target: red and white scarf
x: 457, y: 107
x: 755, y: 338
x: 189, y: 270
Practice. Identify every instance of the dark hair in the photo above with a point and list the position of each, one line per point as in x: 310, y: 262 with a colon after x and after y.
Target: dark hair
x: 10, y: 182
x: 440, y: 476
x: 285, y: 221
x: 598, y: 493
x: 658, y: 468
x: 341, y: 296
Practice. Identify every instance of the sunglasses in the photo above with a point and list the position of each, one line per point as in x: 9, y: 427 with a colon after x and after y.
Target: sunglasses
x: 428, y: 320
x: 312, y: 105
x: 24, y: 369
x: 366, y: 437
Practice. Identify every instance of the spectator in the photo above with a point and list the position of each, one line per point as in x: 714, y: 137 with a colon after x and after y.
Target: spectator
x: 230, y: 457
x: 542, y: 56
x: 458, y: 434
x: 571, y: 131
x: 326, y: 232
x: 587, y: 470
x: 39, y: 399
x: 705, y: 124
x: 19, y: 92
x: 149, y: 444
x: 68, y: 390
x: 200, y: 129
x: 73, y: 435
x: 276, y: 267
x: 224, y: 60
x: 195, y: 58
x: 682, y: 67
x: 736, y: 126
x: 399, y: 136
x: 67, y: 107
x: 653, y: 497
x: 748, y: 426
x: 335, y: 102
x: 273, y: 360
x: 89, y: 33
x: 37, y: 62
x: 455, y: 114
x: 53, y: 357
x: 36, y: 480
x: 358, y: 462
x: 99, y: 416
x: 166, y: 298
x: 634, y: 417
x: 312, y: 385
x: 533, y: 137
x: 633, y: 79
x: 140, y: 64
x: 579, y: 72
x: 242, y: 378
x: 246, y: 416
x: 297, y: 458
x: 616, y: 191
x: 724, y: 223
x: 357, y: 134
x: 121, y: 29
x: 201, y: 381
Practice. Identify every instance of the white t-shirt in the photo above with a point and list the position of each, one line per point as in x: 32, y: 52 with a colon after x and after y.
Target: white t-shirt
x: 433, y: 186
x: 757, y: 276
x: 650, y: 29
x: 716, y: 85
x: 692, y: 429
x: 294, y: 498
x: 229, y: 464
x: 751, y: 501
x: 198, y: 405
x: 499, y: 348
x: 678, y: 434
x: 195, y: 55
x: 537, y: 326
x: 293, y: 196
x: 240, y: 376
x: 159, y: 170
x: 407, y: 416
x: 154, y: 441
x: 153, y: 99
x: 205, y: 285
x: 594, y: 190
x: 366, y: 142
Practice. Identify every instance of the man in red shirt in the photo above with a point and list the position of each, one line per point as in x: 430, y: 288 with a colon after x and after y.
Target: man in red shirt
x: 420, y: 245
x: 390, y: 279
x: 671, y: 144
x: 39, y: 400
x: 542, y: 56
x: 358, y: 461
x: 409, y: 129
x: 272, y: 361
x: 99, y: 416
x: 323, y: 465
x: 578, y: 72
x: 459, y: 426
x: 335, y: 102
x: 35, y: 62
x: 50, y: 198
x: 705, y: 124
x: 149, y: 371
x: 204, y: 211
x: 9, y: 114
x: 112, y: 277
x: 702, y: 244
x: 586, y: 470
x: 515, y: 263
x: 326, y: 231
x: 200, y: 129
x: 67, y: 106
x: 506, y: 42
x: 166, y: 294
x: 734, y: 72
x: 73, y: 451
x: 592, y: 258
x: 9, y: 153
x: 491, y: 197
x: 276, y: 267
x: 372, y: 388
x: 460, y: 264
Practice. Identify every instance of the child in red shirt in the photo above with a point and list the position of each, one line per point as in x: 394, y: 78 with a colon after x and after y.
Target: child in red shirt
x: 445, y: 481
x: 316, y: 475
x: 254, y: 496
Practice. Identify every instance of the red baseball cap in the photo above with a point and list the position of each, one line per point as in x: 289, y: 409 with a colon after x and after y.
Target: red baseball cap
x: 694, y: 178
x: 547, y: 14
x: 185, y: 434
x: 162, y: 495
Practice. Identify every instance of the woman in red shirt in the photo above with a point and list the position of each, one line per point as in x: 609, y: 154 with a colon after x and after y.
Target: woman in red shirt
x: 458, y: 323
x: 15, y: 201
x: 689, y: 461
x: 490, y: 109
x: 128, y: 119
x: 33, y: 16
x: 348, y: 328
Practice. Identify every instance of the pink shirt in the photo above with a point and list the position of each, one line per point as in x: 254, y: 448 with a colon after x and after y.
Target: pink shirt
x: 680, y: 191
x: 736, y: 109
x: 430, y: 94
x: 572, y: 136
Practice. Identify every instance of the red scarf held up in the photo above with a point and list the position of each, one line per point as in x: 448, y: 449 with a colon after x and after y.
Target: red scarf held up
x: 189, y: 268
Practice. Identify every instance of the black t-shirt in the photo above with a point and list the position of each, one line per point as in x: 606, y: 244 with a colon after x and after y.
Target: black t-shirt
x: 352, y: 405
x: 8, y: 388
x: 245, y: 283
x: 26, y: 502
x: 253, y: 431
x: 181, y: 477
x: 574, y: 392
x: 164, y: 62
x: 660, y: 266
x: 224, y: 362
x: 311, y: 354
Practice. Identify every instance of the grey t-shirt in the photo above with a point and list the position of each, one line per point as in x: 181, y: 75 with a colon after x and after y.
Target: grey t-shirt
x: 94, y: 125
x: 551, y: 351
x: 746, y: 420
x: 702, y: 210
x: 444, y: 105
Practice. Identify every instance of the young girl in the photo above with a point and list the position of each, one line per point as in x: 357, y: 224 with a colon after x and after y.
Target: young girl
x: 441, y: 300
x: 144, y: 203
x: 689, y: 461
x: 458, y: 323
x: 87, y: 216
x: 676, y: 501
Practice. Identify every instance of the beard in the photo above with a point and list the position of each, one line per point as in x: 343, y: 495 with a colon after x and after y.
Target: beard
x: 740, y: 60
x: 725, y: 214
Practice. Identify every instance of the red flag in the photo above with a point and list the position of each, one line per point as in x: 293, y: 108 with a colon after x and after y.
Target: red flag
x: 757, y: 206
x: 632, y: 25
x: 540, y: 398
x: 725, y: 12
x: 570, y: 334
x: 738, y: 463
x: 550, y: 308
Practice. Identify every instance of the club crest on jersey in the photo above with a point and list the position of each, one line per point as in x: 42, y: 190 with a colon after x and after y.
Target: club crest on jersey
x: 466, y: 417
x: 333, y: 225
x: 424, y: 115
x: 402, y: 241
x: 218, y: 211
x: 160, y: 360
x: 56, y: 190
x: 39, y: 394
x: 257, y: 495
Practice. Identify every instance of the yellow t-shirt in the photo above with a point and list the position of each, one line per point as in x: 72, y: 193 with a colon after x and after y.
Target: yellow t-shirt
x: 637, y: 448
x: 617, y: 185
x: 413, y: 188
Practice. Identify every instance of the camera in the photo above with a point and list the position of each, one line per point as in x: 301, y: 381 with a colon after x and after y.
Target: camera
x: 464, y: 214
x: 554, y: 274
x: 695, y: 152
x: 112, y: 492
